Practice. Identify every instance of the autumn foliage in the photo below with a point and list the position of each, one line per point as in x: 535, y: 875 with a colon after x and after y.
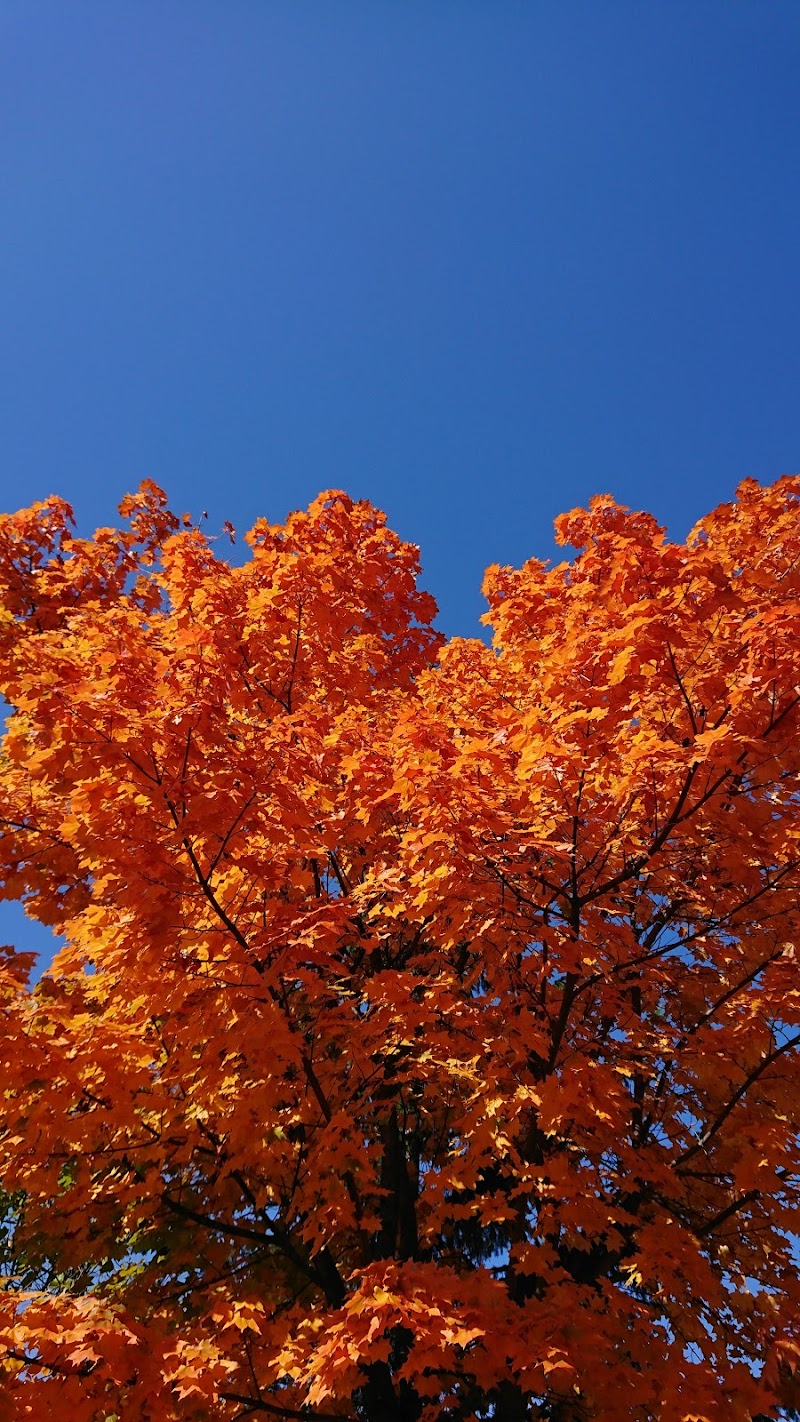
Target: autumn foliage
x: 424, y: 1041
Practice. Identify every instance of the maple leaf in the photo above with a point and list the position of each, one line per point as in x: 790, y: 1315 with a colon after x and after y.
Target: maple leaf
x: 424, y: 1041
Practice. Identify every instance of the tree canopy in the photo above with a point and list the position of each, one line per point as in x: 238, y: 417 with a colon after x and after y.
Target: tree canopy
x: 424, y: 1041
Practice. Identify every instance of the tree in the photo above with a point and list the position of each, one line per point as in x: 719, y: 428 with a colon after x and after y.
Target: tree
x: 424, y: 1041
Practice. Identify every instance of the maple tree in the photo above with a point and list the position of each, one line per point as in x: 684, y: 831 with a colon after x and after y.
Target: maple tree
x: 424, y: 1039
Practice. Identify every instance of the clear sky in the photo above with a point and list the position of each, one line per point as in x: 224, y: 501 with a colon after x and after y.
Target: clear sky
x: 473, y: 261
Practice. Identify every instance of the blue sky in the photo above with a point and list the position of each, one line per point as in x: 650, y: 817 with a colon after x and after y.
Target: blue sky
x: 474, y: 261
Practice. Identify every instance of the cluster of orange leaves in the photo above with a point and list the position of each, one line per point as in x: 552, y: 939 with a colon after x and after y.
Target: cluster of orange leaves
x: 424, y: 1039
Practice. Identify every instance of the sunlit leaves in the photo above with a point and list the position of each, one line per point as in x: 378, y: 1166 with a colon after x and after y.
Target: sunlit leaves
x: 424, y: 1040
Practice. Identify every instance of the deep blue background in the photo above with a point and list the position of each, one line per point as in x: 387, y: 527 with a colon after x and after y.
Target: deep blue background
x: 474, y: 261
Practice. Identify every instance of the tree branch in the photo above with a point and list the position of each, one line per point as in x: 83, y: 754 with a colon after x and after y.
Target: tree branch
x: 722, y: 1116
x: 260, y: 1404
